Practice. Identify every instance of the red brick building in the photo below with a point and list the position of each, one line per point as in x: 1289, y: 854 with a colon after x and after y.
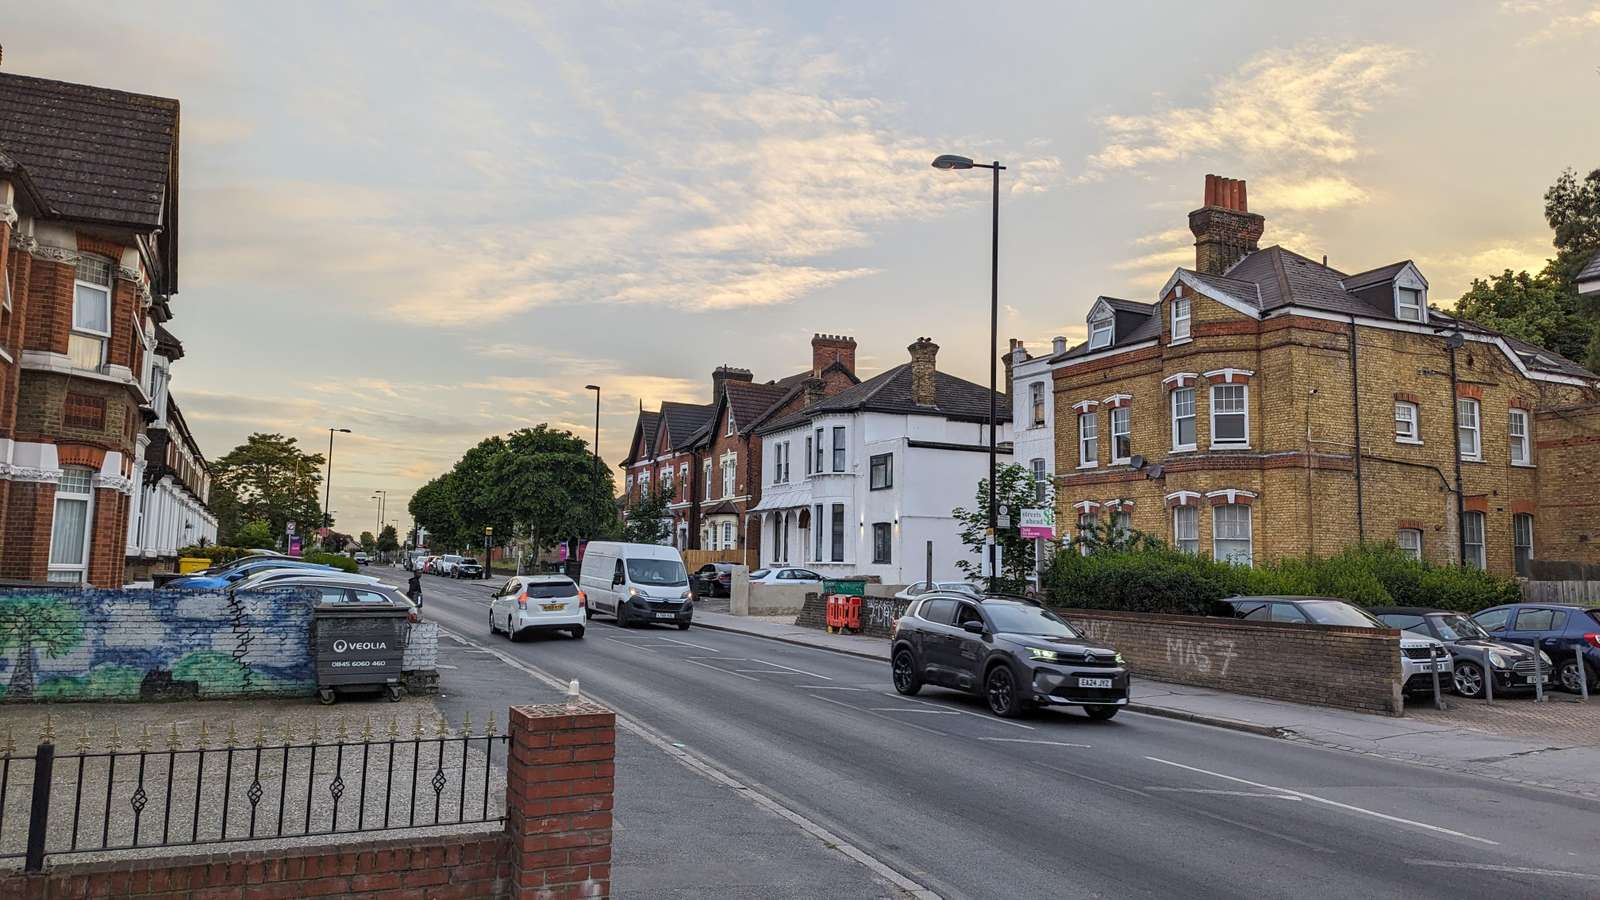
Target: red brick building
x: 89, y: 261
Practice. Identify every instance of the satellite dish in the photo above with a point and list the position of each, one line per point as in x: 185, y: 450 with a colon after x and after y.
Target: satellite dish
x: 1155, y: 472
x: 1455, y: 340
x: 1137, y: 462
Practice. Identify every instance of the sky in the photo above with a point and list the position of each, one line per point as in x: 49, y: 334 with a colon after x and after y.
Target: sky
x: 430, y: 223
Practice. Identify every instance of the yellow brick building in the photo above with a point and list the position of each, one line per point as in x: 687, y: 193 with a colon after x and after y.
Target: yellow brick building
x: 1226, y: 416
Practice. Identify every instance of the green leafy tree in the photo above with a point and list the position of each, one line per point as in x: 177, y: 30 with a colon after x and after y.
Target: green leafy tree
x: 1014, y: 490
x: 368, y: 542
x: 1572, y: 207
x: 647, y: 520
x: 257, y: 534
x: 266, y: 479
x: 433, y: 506
x: 29, y: 624
x: 334, y: 542
x: 1101, y: 536
x: 1536, y: 308
x: 388, y: 540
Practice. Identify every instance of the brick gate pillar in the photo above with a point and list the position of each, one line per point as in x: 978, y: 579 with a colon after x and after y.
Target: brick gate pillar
x: 559, y: 780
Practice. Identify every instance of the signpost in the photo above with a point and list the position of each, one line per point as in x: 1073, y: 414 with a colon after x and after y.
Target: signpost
x: 488, y: 535
x: 1038, y: 523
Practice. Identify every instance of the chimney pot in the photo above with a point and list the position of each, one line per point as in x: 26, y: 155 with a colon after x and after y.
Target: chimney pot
x: 1224, y: 230
x: 1058, y: 344
x: 923, y: 353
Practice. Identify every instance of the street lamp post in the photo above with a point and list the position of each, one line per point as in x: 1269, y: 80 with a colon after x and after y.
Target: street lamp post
x: 382, y: 497
x: 596, y: 389
x: 327, y: 480
x: 948, y: 161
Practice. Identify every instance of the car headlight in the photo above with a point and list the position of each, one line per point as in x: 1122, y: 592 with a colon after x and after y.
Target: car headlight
x: 1119, y: 659
x: 1498, y: 661
x: 684, y: 595
x: 1545, y: 657
x: 1043, y: 654
x: 633, y: 592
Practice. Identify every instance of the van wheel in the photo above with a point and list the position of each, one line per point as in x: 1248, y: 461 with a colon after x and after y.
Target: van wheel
x: 588, y: 612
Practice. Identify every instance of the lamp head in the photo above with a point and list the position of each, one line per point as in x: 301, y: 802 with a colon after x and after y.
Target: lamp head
x: 591, y: 387
x: 951, y: 161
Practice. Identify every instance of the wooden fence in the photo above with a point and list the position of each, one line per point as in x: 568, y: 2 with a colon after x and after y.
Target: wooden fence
x: 694, y: 559
x: 1558, y: 581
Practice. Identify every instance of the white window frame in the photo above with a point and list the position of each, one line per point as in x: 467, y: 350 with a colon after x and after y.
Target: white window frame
x: 1402, y: 540
x: 1517, y: 522
x: 1125, y: 435
x: 58, y: 571
x: 1036, y: 403
x: 1249, y: 533
x: 1401, y: 307
x: 1178, y: 446
x: 1244, y: 396
x: 1469, y: 415
x: 666, y: 480
x: 1186, y: 544
x: 1521, y: 444
x: 818, y: 468
x: 644, y: 482
x: 808, y: 455
x: 1088, y: 440
x: 730, y: 471
x: 1182, y: 318
x: 1407, y: 414
x: 1474, y: 549
x: 706, y: 477
x: 630, y: 484
x: 105, y: 290
x: 1102, y: 332
x: 1040, y: 479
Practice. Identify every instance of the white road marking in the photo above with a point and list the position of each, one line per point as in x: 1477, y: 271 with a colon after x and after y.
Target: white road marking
x: 710, y: 771
x: 913, y: 709
x: 1262, y: 794
x: 723, y: 671
x: 687, y: 644
x: 768, y: 662
x: 1334, y: 803
x: 1032, y: 741
x: 627, y: 644
x: 1511, y: 870
x: 719, y: 658
x: 869, y: 712
x: 829, y: 687
x: 965, y: 712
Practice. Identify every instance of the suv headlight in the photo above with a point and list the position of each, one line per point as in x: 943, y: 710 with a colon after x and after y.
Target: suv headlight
x: 1120, y: 660
x: 1498, y: 661
x: 1040, y: 653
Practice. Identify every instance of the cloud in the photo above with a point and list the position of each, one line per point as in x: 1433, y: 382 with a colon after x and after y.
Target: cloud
x: 1563, y: 19
x: 1450, y: 273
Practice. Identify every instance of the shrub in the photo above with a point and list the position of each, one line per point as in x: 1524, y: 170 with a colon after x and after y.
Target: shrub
x: 336, y: 560
x: 214, y: 552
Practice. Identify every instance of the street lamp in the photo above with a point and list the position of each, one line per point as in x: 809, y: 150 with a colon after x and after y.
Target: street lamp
x: 596, y: 389
x: 382, y: 497
x: 950, y: 161
x: 327, y: 480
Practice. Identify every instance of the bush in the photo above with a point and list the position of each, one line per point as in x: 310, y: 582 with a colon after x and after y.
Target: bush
x: 331, y: 559
x: 1167, y: 581
x: 217, y: 553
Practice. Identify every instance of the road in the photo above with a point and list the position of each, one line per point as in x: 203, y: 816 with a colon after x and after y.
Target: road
x: 967, y: 805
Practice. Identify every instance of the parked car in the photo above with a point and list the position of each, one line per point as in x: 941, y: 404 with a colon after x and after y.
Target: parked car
x: 637, y: 583
x: 1420, y: 656
x: 1015, y: 653
x: 237, y: 572
x: 1559, y: 630
x: 911, y: 592
x: 362, y: 558
x: 468, y: 567
x: 713, y: 580
x: 412, y: 557
x: 1474, y: 651
x: 446, y: 564
x: 538, y: 603
x: 784, y: 575
x: 342, y: 587
x: 271, y: 578
x: 430, y: 565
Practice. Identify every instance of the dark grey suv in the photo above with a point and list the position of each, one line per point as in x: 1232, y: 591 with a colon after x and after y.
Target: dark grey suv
x: 1015, y: 653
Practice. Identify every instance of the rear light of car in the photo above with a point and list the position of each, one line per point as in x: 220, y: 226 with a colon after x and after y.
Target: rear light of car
x: 522, y: 600
x: 1592, y: 640
x: 413, y: 616
x: 583, y: 600
x: 894, y: 629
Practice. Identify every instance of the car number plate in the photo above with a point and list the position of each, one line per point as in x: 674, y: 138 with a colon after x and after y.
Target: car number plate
x: 1094, y: 682
x: 666, y: 615
x: 1424, y: 667
x: 1543, y: 679
x: 552, y: 607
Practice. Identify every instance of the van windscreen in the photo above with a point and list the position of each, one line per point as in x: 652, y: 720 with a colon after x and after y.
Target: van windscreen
x: 664, y: 572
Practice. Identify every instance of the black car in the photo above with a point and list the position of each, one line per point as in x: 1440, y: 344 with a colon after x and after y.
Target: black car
x: 713, y: 580
x: 1014, y: 652
x: 467, y: 568
x: 1475, y: 650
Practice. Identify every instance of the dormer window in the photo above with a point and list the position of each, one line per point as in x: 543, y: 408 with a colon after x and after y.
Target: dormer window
x: 1409, y: 304
x: 1100, y: 331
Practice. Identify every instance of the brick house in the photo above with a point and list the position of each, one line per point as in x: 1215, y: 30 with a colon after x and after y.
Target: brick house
x: 89, y: 259
x: 1266, y: 405
x: 709, y: 453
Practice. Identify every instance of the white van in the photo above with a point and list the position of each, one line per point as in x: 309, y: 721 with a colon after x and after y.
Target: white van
x: 637, y: 583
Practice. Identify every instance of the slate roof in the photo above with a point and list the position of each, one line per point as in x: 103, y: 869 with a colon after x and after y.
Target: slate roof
x: 18, y: 174
x: 683, y: 420
x: 748, y: 401
x: 890, y: 391
x: 1135, y: 322
x: 1591, y: 272
x: 644, y: 431
x: 96, y: 154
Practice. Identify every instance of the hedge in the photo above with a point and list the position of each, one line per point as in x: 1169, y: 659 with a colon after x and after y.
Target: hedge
x: 218, y: 555
x: 337, y: 560
x: 1162, y: 580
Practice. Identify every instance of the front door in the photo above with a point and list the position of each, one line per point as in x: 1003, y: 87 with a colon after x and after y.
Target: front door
x: 967, y: 650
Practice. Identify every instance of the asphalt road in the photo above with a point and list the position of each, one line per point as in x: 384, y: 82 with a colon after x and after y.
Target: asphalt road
x: 1057, y: 805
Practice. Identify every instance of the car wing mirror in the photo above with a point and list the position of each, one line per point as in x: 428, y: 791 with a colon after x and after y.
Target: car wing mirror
x: 973, y: 627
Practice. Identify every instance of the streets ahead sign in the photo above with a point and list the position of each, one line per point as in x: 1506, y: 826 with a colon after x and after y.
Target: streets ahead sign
x: 1038, y: 523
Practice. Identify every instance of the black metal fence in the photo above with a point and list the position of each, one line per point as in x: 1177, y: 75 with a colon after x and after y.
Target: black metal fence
x: 87, y: 801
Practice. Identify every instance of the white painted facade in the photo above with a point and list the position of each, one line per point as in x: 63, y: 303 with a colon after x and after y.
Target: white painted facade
x: 828, y: 519
x: 1033, y: 386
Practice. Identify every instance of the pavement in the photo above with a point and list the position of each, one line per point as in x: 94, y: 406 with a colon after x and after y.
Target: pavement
x: 935, y: 797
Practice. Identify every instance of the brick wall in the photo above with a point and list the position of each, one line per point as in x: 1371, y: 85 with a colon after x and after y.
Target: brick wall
x: 559, y: 784
x: 30, y: 509
x: 1348, y: 668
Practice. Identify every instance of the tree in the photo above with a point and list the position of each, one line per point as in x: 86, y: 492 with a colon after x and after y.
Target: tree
x: 1535, y: 308
x: 1015, y: 490
x: 257, y: 534
x: 1572, y: 207
x: 368, y: 542
x: 268, y: 479
x: 36, y: 623
x: 388, y: 540
x: 647, y: 521
x: 334, y: 542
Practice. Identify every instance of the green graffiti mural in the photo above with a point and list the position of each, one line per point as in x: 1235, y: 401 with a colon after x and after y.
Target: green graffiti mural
x: 29, y: 624
x: 102, y: 683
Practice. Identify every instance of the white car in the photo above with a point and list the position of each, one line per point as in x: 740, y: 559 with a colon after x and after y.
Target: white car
x: 914, y: 591
x: 784, y: 575
x: 538, y: 603
x: 446, y: 565
x: 270, y: 578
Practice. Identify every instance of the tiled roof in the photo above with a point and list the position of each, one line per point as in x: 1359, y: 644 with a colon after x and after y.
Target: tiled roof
x: 890, y: 391
x: 1592, y: 270
x: 748, y: 401
x: 167, y: 344
x: 684, y: 419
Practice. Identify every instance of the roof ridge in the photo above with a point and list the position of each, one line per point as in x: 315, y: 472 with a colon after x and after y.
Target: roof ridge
x: 78, y: 85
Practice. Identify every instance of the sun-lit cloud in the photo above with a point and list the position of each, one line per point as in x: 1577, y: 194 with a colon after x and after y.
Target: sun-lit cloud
x: 1557, y: 19
x: 1450, y: 272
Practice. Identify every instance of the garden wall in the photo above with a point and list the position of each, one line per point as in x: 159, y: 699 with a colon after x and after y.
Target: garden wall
x: 877, y: 613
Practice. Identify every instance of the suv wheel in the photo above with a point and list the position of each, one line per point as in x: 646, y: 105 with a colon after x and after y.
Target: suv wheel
x: 1101, y: 713
x: 1000, y: 689
x: 1468, y: 679
x: 905, y: 672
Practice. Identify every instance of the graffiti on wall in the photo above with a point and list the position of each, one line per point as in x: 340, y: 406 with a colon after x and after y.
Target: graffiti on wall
x: 1201, y: 656
x: 72, y: 644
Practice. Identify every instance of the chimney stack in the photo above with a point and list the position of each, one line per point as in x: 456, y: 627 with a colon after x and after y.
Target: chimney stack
x: 827, y: 349
x: 816, y: 391
x: 722, y: 374
x: 1016, y: 354
x: 1058, y: 345
x: 923, y: 351
x: 1225, y: 230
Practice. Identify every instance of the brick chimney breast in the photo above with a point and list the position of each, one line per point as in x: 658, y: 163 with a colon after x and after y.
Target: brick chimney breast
x: 1225, y: 230
x: 827, y: 349
x: 923, y: 352
x: 722, y: 374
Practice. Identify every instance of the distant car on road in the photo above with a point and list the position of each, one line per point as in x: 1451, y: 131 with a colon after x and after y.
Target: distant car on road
x: 538, y: 603
x: 784, y: 575
x: 912, y: 592
x: 468, y: 567
x: 362, y: 559
x: 1013, y: 652
x: 446, y: 564
x: 1420, y: 656
x: 1474, y: 650
x: 713, y: 580
x: 1559, y: 630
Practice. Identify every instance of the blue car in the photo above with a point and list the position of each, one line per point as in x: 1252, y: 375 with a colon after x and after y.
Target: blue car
x: 1560, y: 630
x: 224, y: 577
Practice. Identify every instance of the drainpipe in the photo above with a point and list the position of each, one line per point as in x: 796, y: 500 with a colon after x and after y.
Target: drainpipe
x: 1453, y: 342
x: 1355, y: 405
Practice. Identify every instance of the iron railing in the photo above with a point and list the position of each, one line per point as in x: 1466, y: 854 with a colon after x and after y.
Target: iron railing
x: 92, y: 801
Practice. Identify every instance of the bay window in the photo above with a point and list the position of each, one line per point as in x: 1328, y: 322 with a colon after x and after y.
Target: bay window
x: 91, y: 313
x: 836, y: 532
x: 838, y: 448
